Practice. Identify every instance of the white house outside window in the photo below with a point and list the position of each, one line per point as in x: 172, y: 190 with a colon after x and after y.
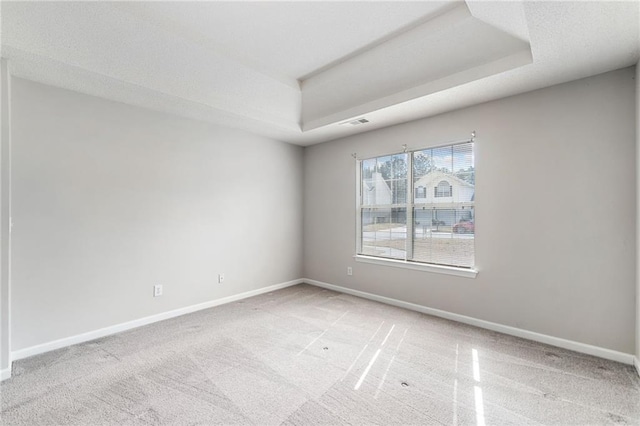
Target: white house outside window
x: 398, y: 218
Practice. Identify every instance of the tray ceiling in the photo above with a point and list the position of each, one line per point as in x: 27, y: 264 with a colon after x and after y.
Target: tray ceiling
x: 294, y: 71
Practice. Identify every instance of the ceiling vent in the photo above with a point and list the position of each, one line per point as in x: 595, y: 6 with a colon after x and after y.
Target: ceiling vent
x: 356, y: 122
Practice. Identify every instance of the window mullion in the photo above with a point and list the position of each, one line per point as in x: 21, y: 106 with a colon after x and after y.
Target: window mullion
x: 410, y: 202
x: 359, y: 206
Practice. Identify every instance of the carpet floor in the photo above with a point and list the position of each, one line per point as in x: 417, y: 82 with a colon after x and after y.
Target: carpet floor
x: 308, y: 356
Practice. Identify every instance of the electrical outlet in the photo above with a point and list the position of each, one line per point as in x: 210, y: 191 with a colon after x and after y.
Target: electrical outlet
x: 220, y: 278
x: 157, y: 290
x: 349, y: 270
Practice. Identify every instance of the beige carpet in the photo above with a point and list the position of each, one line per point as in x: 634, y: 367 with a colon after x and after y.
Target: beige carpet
x: 306, y: 355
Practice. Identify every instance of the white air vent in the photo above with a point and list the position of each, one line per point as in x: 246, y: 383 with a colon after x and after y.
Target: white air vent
x: 356, y: 122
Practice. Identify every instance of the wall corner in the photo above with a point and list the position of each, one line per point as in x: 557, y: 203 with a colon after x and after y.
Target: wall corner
x: 637, y: 116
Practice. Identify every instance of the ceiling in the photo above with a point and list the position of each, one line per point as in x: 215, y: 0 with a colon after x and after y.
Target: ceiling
x: 297, y: 71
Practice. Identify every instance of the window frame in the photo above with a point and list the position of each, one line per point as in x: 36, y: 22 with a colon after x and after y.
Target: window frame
x: 409, y: 205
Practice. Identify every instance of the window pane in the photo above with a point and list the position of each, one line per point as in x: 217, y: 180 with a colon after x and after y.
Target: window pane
x: 384, y: 232
x: 368, y: 167
x: 398, y: 191
x: 422, y: 169
x: 422, y: 164
x: 392, y: 170
x: 463, y: 162
x: 399, y: 166
x: 375, y: 190
x: 383, y: 166
x: 443, y: 159
x: 444, y: 236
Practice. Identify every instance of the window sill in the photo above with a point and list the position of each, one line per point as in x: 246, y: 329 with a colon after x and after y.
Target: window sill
x: 438, y: 269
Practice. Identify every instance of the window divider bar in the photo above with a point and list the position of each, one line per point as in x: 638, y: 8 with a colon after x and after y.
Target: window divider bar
x: 358, y: 206
x: 410, y: 224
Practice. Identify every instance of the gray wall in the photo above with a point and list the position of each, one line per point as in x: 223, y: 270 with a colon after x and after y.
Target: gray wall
x: 110, y: 199
x: 555, y: 212
x: 5, y: 201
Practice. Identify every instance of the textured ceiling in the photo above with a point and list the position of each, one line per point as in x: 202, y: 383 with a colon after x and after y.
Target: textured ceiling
x: 287, y: 40
x: 248, y: 64
x: 446, y: 51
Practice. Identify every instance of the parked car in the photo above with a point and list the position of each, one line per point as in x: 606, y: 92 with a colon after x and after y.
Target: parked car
x: 464, y: 227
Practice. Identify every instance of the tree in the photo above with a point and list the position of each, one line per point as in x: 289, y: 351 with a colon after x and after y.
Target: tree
x: 468, y: 175
x: 395, y: 168
x: 422, y: 164
x: 394, y: 172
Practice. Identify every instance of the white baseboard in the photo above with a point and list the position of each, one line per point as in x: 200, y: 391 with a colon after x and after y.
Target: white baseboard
x: 530, y: 335
x: 5, y: 374
x: 102, y: 332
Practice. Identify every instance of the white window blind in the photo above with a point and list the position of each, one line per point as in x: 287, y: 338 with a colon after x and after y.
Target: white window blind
x: 419, y: 206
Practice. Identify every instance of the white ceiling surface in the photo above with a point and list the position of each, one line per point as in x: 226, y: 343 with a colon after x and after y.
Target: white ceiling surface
x: 451, y: 49
x: 239, y: 63
x: 285, y: 40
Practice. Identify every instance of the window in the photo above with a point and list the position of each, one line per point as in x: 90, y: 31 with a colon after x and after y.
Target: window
x: 398, y: 219
x: 443, y: 189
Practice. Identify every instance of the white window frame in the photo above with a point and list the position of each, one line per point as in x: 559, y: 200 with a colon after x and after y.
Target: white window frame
x: 409, y: 205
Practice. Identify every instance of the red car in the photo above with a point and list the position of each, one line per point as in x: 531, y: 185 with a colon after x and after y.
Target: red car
x: 464, y: 227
